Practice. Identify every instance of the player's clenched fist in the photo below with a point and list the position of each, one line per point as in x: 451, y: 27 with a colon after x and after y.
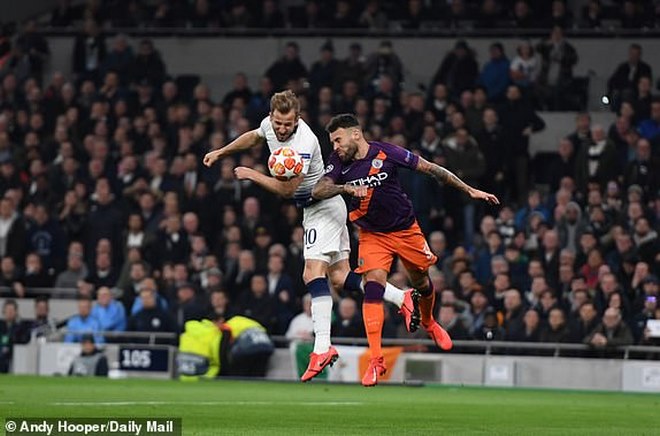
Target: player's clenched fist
x: 211, y: 157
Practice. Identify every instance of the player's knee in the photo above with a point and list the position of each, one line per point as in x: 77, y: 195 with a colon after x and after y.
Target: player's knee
x: 313, y: 270
x: 376, y: 275
x: 338, y: 278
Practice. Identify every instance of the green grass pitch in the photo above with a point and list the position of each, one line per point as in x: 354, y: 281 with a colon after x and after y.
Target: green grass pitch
x: 272, y: 408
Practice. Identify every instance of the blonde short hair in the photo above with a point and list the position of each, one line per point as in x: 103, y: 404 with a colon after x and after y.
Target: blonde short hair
x: 285, y: 102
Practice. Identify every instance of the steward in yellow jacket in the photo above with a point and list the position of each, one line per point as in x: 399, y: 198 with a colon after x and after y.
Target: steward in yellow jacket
x: 240, y: 346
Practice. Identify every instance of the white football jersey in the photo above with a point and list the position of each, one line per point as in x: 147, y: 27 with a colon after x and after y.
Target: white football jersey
x: 305, y: 142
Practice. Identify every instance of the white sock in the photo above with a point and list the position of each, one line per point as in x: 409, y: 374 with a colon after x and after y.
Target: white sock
x: 393, y: 294
x: 322, y: 317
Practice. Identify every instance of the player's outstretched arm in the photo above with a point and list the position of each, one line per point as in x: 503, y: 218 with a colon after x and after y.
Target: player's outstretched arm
x: 245, y: 141
x: 446, y: 177
x: 283, y: 188
x: 326, y: 188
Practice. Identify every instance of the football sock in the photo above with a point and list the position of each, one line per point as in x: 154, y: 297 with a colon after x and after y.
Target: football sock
x: 426, y: 304
x: 321, y: 313
x: 393, y: 295
x: 374, y: 316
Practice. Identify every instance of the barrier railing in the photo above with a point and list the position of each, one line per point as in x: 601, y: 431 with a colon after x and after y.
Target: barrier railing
x: 152, y: 337
x: 430, y: 30
x: 482, y: 347
x: 30, y: 292
x: 491, y: 347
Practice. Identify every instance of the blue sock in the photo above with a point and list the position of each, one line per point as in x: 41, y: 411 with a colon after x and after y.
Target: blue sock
x: 373, y: 292
x: 318, y: 287
x: 353, y: 284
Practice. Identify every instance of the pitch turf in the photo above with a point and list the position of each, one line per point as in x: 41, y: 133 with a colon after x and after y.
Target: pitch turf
x: 271, y: 408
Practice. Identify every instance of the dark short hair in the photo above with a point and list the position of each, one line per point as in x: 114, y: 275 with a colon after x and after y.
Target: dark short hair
x: 10, y: 302
x: 342, y: 121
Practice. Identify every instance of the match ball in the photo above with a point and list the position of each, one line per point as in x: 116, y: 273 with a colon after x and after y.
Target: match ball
x: 285, y: 163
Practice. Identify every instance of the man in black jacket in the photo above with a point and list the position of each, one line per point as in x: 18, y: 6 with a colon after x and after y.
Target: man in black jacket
x: 622, y: 83
x: 519, y: 121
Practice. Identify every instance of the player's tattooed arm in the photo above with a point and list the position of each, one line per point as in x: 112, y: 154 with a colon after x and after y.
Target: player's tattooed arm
x: 442, y: 175
x: 446, y: 177
x: 326, y: 188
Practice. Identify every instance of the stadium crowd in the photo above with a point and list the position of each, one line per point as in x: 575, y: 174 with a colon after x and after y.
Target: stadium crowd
x: 102, y: 190
x: 366, y: 14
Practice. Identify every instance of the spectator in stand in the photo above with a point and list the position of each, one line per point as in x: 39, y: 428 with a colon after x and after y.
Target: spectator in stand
x: 581, y: 137
x: 89, y: 52
x: 558, y: 58
x: 83, y: 322
x: 530, y: 331
x: 12, y: 331
x: 348, y: 323
x: 495, y: 74
x: 43, y: 324
x: 650, y: 128
x: 557, y: 329
x: 109, y: 312
x: 148, y: 65
x: 240, y: 90
x: 12, y: 231
x: 288, y: 67
x: 449, y: 320
x: 597, y: 162
x: 257, y: 304
x: 301, y: 326
x: 519, y: 121
x: 611, y: 332
x: 151, y: 317
x: 458, y: 70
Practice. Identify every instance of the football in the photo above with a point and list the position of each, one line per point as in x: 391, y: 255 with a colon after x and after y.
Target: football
x: 285, y: 163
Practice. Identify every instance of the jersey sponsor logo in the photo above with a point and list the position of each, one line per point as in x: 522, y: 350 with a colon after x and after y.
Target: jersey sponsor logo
x: 329, y: 168
x: 377, y: 163
x: 370, y: 181
x: 345, y: 170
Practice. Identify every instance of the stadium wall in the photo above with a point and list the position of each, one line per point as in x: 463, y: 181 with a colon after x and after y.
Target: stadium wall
x: 451, y: 369
x: 217, y: 59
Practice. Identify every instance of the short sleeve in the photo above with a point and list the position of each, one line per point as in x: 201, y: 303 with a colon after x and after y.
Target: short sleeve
x: 261, y: 131
x: 400, y: 156
x: 333, y: 169
x: 309, y: 149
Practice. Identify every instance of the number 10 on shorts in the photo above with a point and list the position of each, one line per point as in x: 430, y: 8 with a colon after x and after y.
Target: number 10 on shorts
x: 310, y: 237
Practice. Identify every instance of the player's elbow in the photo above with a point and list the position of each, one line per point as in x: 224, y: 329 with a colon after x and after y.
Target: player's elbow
x: 287, y: 193
x: 317, y: 192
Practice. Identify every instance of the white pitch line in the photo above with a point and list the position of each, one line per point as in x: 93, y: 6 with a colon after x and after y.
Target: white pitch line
x: 6, y: 402
x: 206, y: 403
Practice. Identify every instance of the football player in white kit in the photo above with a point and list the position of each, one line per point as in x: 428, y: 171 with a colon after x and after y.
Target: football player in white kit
x: 326, y: 241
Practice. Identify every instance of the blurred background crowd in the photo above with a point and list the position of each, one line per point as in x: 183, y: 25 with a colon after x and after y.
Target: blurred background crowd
x: 103, y: 194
